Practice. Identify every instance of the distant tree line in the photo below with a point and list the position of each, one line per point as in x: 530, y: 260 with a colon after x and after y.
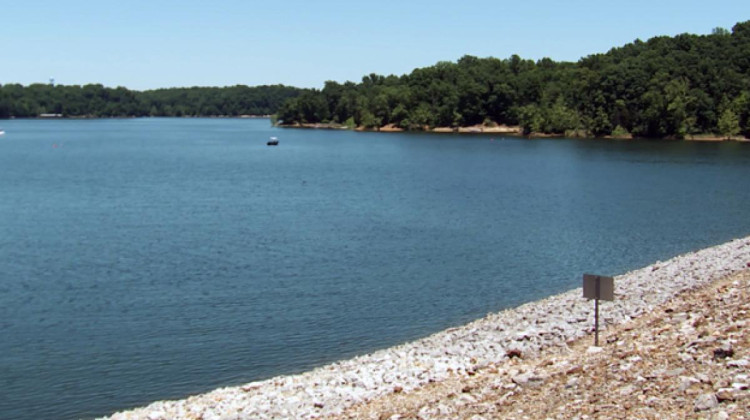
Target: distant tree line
x: 664, y: 87
x: 95, y: 100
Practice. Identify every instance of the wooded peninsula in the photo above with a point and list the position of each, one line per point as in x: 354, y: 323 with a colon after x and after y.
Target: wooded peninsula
x: 665, y: 87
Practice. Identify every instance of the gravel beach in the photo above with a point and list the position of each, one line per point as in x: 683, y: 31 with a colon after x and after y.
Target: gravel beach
x: 492, y: 345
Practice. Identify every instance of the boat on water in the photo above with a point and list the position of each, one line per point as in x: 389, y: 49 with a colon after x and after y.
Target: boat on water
x: 2, y: 131
x: 273, y: 141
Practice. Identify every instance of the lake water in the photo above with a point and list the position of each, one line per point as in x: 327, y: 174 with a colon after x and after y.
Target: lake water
x: 145, y: 259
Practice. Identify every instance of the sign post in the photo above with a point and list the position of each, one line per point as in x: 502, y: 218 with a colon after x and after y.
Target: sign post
x: 598, y: 287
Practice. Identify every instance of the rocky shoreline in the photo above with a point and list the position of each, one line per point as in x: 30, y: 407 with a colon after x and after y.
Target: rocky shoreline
x: 489, y: 344
x: 504, y: 130
x: 687, y: 359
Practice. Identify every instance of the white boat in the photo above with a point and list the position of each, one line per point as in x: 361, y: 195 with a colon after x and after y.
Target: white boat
x: 273, y: 142
x: 2, y: 131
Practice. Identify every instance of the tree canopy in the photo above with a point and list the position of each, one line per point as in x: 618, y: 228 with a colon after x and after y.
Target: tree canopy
x: 663, y: 87
x: 95, y: 100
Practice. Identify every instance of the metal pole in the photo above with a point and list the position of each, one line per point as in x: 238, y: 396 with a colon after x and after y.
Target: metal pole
x: 596, y: 314
x: 596, y: 321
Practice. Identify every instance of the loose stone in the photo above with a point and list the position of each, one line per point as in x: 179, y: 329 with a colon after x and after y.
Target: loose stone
x: 706, y: 402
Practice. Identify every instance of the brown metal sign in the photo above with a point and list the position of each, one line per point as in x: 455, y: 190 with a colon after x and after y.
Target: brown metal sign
x: 598, y: 287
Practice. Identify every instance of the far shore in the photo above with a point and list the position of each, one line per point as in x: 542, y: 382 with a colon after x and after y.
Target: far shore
x: 505, y: 130
x: 119, y: 117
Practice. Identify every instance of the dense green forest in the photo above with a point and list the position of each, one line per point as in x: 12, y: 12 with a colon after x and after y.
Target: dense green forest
x: 99, y: 101
x: 664, y: 87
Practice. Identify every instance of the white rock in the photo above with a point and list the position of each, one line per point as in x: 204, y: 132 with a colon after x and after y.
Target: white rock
x: 627, y: 390
x: 703, y: 378
x: 721, y: 415
x: 706, y: 402
x: 687, y: 381
x: 738, y: 363
x: 522, y: 379
x: 156, y: 415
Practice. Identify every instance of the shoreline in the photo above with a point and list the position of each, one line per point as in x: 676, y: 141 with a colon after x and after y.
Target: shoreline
x: 511, y: 131
x: 56, y: 117
x: 687, y: 358
x: 486, y: 344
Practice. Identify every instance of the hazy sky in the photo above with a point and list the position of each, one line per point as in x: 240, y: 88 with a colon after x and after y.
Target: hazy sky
x: 150, y: 44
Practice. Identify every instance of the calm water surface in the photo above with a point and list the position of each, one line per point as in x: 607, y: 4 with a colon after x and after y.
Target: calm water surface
x: 148, y: 259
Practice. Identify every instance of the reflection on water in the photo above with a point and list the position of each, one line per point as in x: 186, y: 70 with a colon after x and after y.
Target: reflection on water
x: 146, y: 259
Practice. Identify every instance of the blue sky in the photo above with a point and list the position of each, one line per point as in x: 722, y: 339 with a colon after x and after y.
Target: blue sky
x: 150, y: 44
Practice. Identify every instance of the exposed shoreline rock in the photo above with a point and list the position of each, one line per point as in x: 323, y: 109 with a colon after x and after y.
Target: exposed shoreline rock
x: 687, y: 359
x: 392, y: 128
x: 512, y: 131
x: 490, y: 344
